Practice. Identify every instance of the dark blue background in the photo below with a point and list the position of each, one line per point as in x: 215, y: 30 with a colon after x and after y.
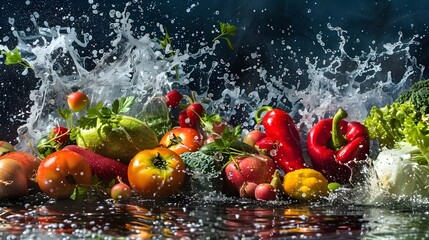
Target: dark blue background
x: 259, y: 22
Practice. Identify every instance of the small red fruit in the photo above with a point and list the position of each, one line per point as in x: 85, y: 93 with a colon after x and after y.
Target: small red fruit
x: 173, y: 98
x: 77, y: 101
x: 121, y: 191
x: 195, y: 111
x: 265, y: 192
x: 185, y: 121
x: 60, y: 134
x: 253, y: 136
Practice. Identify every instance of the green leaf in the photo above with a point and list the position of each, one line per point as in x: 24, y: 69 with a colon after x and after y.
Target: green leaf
x: 226, y: 30
x: 79, y: 193
x: 125, y: 104
x: 14, y: 57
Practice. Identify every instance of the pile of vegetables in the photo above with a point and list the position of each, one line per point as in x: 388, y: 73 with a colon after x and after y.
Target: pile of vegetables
x: 111, y: 154
x: 402, y: 131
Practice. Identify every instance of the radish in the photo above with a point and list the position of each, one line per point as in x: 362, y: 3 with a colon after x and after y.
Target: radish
x: 106, y: 169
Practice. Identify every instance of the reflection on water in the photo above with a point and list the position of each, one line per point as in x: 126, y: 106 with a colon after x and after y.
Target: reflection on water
x: 226, y: 218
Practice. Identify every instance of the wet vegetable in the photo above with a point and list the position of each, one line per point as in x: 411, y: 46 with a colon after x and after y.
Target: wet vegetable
x: 335, y: 146
x: 106, y: 169
x: 156, y: 173
x: 305, y: 184
x: 107, y: 132
x: 280, y: 127
x: 13, y: 180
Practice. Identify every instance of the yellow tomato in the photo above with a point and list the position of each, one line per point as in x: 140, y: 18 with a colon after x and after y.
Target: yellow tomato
x: 156, y: 173
x: 305, y: 184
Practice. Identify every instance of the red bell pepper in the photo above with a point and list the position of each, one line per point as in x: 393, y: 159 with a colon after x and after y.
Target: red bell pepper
x: 283, y: 141
x: 335, y: 146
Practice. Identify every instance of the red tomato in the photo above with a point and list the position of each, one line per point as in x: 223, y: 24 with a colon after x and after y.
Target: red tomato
x: 156, y: 173
x: 60, y: 172
x: 77, y: 101
x: 182, y: 140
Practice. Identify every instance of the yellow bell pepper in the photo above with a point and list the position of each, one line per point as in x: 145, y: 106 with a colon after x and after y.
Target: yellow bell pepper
x: 305, y: 184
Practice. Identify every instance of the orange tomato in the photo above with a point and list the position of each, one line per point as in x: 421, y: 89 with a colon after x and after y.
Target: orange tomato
x: 60, y: 172
x: 182, y: 140
x: 28, y: 162
x: 156, y: 173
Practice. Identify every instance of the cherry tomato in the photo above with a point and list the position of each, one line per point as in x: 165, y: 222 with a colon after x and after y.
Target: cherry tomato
x: 60, y: 172
x: 156, y: 173
x: 182, y: 140
x: 77, y: 101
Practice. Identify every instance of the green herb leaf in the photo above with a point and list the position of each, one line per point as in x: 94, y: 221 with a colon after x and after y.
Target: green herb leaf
x: 208, y: 120
x: 125, y: 104
x: 79, y: 193
x: 226, y: 30
x: 14, y: 57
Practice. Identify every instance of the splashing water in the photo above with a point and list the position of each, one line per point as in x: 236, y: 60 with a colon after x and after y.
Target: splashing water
x: 139, y: 66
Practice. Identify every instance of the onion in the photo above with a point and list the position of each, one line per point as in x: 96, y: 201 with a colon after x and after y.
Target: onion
x: 13, y: 180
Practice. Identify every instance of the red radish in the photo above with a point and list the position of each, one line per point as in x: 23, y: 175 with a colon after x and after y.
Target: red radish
x: 265, y: 192
x: 195, y: 111
x: 105, y: 168
x: 254, y: 168
x: 60, y: 134
x: 77, y: 101
x: 121, y: 192
x: 247, y: 190
x: 185, y: 121
x: 173, y: 98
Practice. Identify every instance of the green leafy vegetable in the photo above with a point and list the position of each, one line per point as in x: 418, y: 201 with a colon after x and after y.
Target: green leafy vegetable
x: 203, y: 172
x: 418, y: 95
x: 226, y: 31
x: 402, y: 129
x: 14, y: 57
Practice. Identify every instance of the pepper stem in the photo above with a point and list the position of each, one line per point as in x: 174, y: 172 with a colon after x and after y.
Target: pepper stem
x: 337, y: 138
x: 258, y: 115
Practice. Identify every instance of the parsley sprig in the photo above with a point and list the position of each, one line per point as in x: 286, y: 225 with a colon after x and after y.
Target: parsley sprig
x: 104, y: 114
x: 14, y: 57
x: 226, y: 31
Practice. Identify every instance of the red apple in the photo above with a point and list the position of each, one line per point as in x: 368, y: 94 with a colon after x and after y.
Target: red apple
x: 77, y: 101
x: 253, y: 136
x: 265, y: 192
x: 256, y: 168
